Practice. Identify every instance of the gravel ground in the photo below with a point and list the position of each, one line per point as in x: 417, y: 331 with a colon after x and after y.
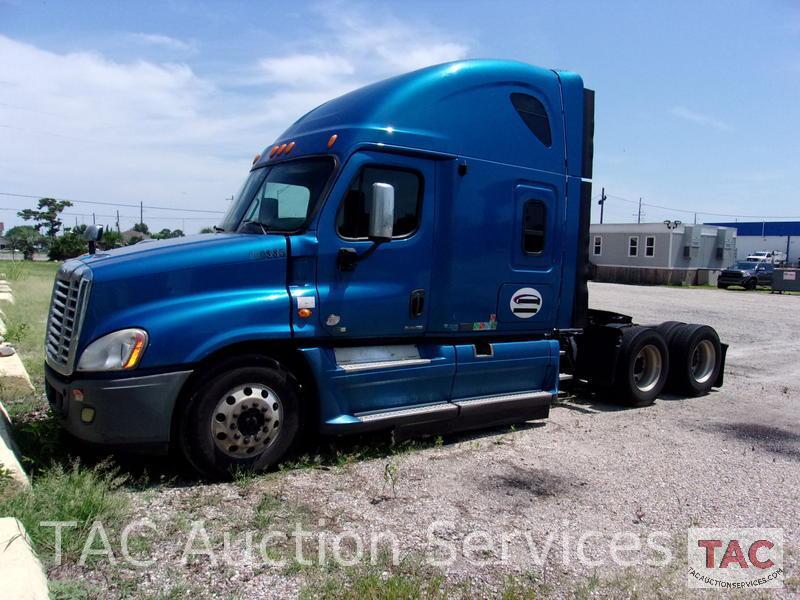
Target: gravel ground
x: 731, y: 458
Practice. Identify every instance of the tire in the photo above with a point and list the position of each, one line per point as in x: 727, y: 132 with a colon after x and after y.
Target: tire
x: 230, y: 422
x: 695, y: 359
x: 722, y: 286
x: 750, y: 284
x: 642, y: 366
x: 668, y: 329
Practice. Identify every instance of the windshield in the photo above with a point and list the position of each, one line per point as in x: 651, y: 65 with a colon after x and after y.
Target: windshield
x: 280, y: 197
x: 746, y: 265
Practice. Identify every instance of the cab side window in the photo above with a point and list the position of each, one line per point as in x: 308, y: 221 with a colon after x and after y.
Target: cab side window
x: 352, y: 221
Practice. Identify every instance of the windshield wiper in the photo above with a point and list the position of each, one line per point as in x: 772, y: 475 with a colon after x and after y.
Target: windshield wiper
x: 264, y: 229
x: 219, y: 229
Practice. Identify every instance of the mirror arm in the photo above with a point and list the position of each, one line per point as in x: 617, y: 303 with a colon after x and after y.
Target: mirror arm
x: 348, y: 258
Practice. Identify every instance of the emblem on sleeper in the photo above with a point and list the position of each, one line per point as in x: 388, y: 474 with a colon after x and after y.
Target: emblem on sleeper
x: 525, y: 303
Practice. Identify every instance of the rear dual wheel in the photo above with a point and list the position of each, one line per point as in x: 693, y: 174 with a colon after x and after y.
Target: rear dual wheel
x: 695, y: 359
x: 642, y: 366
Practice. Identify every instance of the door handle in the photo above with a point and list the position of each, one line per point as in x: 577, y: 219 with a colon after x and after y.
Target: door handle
x: 416, y: 303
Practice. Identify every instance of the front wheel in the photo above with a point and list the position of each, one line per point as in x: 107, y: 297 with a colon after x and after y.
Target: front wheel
x: 750, y: 284
x: 244, y: 416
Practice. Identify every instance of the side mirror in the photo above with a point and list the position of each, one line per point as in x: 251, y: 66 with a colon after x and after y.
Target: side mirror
x: 381, y: 217
x: 92, y: 235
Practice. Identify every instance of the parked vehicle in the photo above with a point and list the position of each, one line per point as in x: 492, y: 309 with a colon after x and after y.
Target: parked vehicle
x: 747, y: 274
x: 410, y: 255
x: 774, y: 257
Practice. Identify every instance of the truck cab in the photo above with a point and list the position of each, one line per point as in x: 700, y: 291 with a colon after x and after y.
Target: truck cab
x: 412, y: 254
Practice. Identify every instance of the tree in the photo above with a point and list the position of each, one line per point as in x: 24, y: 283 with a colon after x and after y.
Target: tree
x: 111, y: 239
x: 47, y: 216
x: 69, y: 245
x: 166, y: 234
x: 142, y: 228
x: 24, y: 238
x: 207, y: 230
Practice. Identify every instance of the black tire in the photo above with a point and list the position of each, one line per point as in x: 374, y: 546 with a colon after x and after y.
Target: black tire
x: 722, y: 286
x: 197, y: 440
x: 668, y: 329
x: 634, y: 384
x: 750, y: 284
x: 692, y: 371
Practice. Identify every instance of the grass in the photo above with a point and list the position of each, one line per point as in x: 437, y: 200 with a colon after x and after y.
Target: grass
x: 25, y: 320
x: 58, y: 493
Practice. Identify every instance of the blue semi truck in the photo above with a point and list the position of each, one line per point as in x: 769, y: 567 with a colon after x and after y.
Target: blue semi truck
x: 411, y: 255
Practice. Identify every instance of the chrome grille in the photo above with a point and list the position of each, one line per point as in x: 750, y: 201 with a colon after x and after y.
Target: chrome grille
x: 67, y: 306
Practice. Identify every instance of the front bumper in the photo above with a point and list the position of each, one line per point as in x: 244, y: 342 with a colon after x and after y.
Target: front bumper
x: 131, y: 411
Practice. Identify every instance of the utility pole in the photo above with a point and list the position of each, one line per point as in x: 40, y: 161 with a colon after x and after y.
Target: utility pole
x: 602, y: 203
x: 639, y: 216
x: 117, y: 220
x: 695, y: 218
x: 94, y: 220
x: 141, y: 212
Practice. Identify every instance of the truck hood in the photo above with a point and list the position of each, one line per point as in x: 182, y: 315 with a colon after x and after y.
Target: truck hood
x: 204, y: 251
x: 192, y: 295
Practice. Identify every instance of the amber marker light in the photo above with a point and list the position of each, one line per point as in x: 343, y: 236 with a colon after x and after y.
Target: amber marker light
x: 289, y: 147
x: 272, y: 152
x: 282, y: 149
x: 138, y: 346
x: 332, y: 140
x: 304, y: 313
x: 255, y: 158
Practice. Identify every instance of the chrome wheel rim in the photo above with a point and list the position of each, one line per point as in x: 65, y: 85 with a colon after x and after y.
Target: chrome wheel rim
x: 647, y: 368
x: 704, y: 358
x: 246, y: 420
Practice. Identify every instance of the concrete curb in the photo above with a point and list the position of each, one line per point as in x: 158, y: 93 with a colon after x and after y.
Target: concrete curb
x: 14, y: 380
x: 20, y: 570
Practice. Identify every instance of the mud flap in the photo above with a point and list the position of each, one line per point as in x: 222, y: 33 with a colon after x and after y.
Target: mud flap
x: 721, y: 376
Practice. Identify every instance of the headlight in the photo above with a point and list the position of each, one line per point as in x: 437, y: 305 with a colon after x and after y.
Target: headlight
x: 114, y: 352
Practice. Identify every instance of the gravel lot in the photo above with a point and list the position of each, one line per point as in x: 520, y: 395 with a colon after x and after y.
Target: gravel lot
x: 731, y: 458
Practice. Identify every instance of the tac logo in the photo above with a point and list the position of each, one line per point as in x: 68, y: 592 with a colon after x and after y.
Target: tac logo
x: 526, y: 302
x: 737, y: 558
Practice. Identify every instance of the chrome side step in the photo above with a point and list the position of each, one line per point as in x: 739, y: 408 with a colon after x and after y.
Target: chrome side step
x: 441, y: 410
x: 522, y: 403
x: 383, y: 364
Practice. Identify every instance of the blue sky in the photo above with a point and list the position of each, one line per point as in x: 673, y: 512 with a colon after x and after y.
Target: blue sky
x: 697, y: 102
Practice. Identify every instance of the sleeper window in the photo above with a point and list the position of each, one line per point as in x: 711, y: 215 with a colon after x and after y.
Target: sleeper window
x: 352, y: 222
x: 533, y: 224
x: 534, y: 114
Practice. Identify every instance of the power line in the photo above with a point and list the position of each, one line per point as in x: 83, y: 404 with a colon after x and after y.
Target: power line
x: 191, y: 210
x: 692, y: 212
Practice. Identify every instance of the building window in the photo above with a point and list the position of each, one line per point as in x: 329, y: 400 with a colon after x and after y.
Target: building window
x: 353, y: 218
x: 650, y: 245
x: 598, y: 245
x: 533, y: 223
x: 534, y: 115
x: 633, y: 245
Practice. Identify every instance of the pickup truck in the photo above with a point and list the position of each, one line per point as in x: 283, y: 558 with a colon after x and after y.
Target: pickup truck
x: 412, y: 255
x: 747, y: 274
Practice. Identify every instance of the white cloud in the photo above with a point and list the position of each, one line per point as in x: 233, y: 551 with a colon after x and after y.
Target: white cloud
x: 699, y: 118
x: 81, y: 125
x: 299, y: 69
x: 163, y: 41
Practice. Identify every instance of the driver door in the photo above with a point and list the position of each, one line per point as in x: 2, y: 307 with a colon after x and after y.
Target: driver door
x: 385, y: 294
